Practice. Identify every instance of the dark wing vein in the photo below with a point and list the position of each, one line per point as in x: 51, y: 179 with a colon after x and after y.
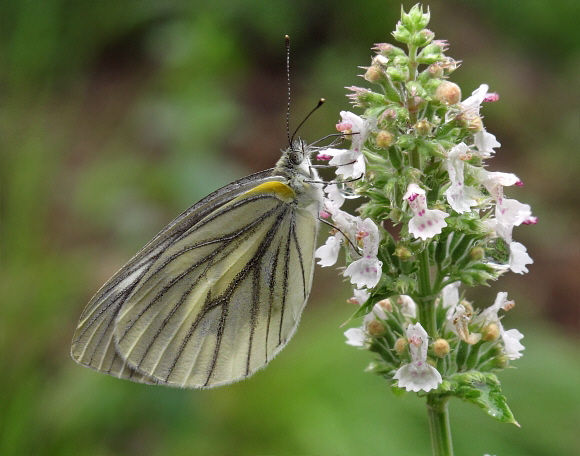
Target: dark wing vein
x: 271, y: 298
x: 220, y: 333
x: 110, y: 319
x: 253, y: 314
x: 222, y: 300
x: 285, y: 279
x: 295, y: 238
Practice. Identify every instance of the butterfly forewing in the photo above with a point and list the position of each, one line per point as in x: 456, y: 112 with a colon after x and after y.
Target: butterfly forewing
x: 221, y: 301
x: 93, y: 343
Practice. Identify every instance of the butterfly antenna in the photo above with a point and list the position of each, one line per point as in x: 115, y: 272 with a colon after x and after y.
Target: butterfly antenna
x: 288, y: 79
x: 320, y: 103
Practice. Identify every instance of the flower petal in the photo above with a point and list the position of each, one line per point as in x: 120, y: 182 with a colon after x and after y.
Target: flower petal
x: 418, y: 376
x: 364, y: 272
x: 355, y: 337
x: 328, y: 253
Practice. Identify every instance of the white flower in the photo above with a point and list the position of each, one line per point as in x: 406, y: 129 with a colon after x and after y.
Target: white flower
x: 449, y: 318
x: 364, y: 272
x: 473, y: 103
x: 490, y: 315
x: 334, y: 195
x: 354, y: 124
x: 498, y: 229
x: 408, y: 306
x: 450, y: 296
x: 511, y: 341
x: 511, y: 338
x: 346, y: 223
x: 328, y: 253
x: 426, y: 223
x: 519, y: 258
x: 494, y: 181
x: 355, y: 337
x: 330, y: 207
x: 350, y: 162
x: 459, y: 197
x: 485, y: 143
x: 418, y: 375
x: 508, y: 211
x: 512, y: 212
x: 367, y: 270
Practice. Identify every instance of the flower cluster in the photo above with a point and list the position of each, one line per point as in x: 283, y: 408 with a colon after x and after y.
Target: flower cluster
x: 433, y: 217
x: 366, y: 269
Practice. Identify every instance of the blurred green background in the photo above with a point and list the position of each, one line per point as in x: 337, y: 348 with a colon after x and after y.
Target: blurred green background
x: 117, y: 115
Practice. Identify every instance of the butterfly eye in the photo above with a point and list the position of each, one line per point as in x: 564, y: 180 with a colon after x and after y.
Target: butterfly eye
x: 296, y: 157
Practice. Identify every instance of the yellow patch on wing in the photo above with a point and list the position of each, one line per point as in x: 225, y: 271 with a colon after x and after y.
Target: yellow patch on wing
x: 279, y: 189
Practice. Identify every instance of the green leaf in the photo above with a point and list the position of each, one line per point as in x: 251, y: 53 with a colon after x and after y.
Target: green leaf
x: 484, y: 391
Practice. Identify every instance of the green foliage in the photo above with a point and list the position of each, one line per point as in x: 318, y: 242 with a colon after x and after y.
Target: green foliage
x: 482, y: 390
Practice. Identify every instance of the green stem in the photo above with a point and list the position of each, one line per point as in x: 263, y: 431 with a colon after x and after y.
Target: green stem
x: 424, y: 276
x: 413, y: 62
x: 426, y: 307
x: 436, y: 406
x: 413, y: 113
x: 439, y: 424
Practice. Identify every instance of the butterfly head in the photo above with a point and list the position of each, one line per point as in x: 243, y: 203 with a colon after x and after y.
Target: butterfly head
x: 295, y: 160
x: 295, y: 155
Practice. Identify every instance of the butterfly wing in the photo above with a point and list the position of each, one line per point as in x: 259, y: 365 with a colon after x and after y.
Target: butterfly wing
x: 213, y: 297
x: 93, y: 342
x: 220, y: 302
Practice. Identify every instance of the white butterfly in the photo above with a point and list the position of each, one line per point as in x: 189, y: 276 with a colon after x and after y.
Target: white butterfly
x: 218, y: 292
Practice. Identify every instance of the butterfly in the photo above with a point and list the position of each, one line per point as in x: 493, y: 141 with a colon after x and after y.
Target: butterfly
x: 219, y: 291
